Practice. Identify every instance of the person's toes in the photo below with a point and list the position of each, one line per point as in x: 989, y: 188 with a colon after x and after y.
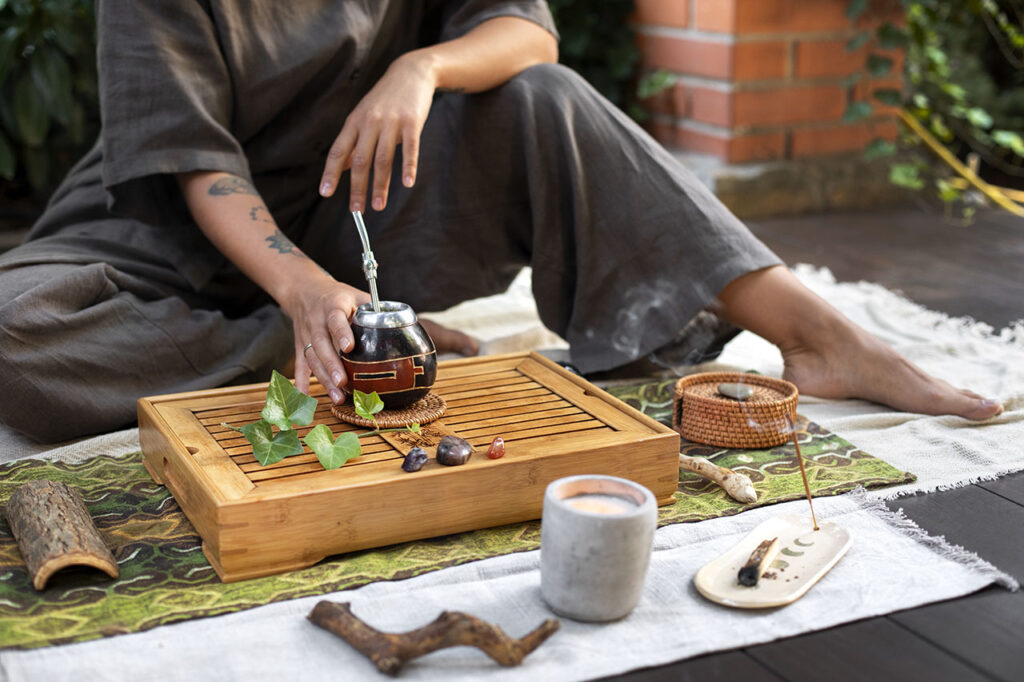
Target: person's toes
x: 977, y: 407
x: 960, y: 402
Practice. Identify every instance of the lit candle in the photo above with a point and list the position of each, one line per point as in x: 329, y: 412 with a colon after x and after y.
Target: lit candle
x: 599, y: 503
x: 596, y: 538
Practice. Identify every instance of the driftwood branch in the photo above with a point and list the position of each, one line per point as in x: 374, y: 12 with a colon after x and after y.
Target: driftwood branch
x: 54, y: 530
x: 390, y: 651
x: 738, y: 486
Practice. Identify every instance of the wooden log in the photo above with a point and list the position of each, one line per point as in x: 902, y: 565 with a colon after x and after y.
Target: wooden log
x: 54, y: 530
x: 390, y: 651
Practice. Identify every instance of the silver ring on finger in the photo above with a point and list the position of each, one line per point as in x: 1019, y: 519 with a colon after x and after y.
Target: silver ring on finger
x: 306, y: 347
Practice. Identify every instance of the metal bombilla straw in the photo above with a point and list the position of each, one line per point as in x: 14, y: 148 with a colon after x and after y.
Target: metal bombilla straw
x: 369, y: 262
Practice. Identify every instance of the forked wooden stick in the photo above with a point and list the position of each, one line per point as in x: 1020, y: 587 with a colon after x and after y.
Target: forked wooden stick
x: 390, y: 651
x: 737, y: 486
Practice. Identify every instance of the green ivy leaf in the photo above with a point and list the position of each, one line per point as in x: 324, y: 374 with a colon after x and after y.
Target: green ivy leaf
x: 332, y: 452
x: 1010, y: 140
x: 935, y: 55
x: 920, y: 100
x: 954, y: 91
x: 858, y: 41
x: 979, y: 117
x: 889, y: 96
x: 879, y: 148
x: 269, y: 447
x: 30, y: 112
x: 857, y: 111
x: 891, y: 37
x: 856, y: 8
x: 905, y: 175
x: 851, y: 80
x: 947, y: 192
x: 287, y: 405
x: 7, y: 162
x: 414, y: 427
x: 939, y: 127
x: 654, y: 83
x: 367, y: 405
x: 879, y: 65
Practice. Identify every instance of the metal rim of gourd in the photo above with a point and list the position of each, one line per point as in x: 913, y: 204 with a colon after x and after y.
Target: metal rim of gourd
x: 393, y: 314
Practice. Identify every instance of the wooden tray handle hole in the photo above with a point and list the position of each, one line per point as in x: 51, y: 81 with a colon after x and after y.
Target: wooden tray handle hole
x: 173, y: 483
x: 191, y: 450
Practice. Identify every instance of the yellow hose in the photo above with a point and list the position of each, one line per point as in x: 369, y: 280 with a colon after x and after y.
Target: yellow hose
x: 992, y: 192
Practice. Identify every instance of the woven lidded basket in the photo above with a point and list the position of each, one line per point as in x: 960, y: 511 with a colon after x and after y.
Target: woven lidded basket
x: 702, y: 415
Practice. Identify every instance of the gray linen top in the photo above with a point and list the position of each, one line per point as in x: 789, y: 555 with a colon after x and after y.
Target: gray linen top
x: 257, y: 88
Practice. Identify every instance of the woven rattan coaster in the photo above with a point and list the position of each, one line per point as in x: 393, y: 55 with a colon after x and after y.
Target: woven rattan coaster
x: 700, y: 414
x: 423, y: 411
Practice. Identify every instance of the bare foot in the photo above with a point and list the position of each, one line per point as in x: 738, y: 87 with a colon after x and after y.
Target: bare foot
x: 829, y: 356
x: 450, y: 340
x: 854, y: 364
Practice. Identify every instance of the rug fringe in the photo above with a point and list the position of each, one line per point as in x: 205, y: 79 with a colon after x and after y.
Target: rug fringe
x: 888, y: 494
x: 937, y: 543
x: 1011, y: 335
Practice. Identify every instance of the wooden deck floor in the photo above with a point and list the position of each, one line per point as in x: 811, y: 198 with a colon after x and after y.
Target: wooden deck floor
x: 973, y: 271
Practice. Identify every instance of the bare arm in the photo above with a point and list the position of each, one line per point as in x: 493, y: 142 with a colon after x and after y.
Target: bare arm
x: 487, y: 56
x: 394, y: 111
x: 232, y: 215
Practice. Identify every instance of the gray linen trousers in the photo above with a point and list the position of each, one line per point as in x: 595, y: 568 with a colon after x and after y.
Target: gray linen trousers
x: 116, y: 294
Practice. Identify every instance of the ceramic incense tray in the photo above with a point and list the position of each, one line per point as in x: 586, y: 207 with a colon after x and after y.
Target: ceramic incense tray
x: 806, y: 556
x: 257, y: 520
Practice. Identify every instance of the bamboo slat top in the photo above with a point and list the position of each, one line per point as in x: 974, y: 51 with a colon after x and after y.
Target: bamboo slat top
x: 529, y: 402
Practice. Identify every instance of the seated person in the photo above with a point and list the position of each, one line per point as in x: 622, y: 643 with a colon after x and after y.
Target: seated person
x: 206, y: 238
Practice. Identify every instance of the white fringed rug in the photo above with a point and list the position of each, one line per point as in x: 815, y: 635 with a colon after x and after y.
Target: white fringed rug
x: 892, y: 565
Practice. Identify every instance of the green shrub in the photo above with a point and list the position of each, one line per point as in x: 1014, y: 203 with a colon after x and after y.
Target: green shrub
x: 48, y: 105
x: 596, y: 42
x: 964, y: 81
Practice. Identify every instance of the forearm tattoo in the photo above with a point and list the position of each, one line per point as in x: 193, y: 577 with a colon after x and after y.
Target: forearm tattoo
x: 280, y: 243
x: 231, y: 185
x: 277, y: 241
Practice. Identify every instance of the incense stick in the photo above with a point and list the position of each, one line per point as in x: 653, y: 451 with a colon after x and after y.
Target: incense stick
x: 803, y: 472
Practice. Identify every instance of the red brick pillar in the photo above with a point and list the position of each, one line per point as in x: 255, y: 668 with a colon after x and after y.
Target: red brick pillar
x: 758, y: 80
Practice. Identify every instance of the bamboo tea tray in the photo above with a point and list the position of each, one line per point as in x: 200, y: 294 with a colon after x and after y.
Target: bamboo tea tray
x: 257, y: 520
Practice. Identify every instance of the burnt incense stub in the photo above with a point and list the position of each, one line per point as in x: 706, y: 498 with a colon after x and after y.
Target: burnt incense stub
x: 393, y: 355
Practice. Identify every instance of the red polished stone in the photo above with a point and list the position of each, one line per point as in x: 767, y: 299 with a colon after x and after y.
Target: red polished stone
x: 497, y: 449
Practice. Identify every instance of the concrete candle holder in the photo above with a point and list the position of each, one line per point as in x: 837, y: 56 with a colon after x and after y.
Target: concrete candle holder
x: 597, y: 533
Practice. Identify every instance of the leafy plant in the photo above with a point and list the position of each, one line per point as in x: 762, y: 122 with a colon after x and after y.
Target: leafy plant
x: 368, y: 405
x: 597, y: 43
x: 286, y: 407
x: 333, y: 452
x: 267, y: 446
x: 964, y: 82
x: 48, y: 90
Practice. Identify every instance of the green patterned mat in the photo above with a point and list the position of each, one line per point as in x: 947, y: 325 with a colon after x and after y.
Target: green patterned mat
x: 165, y: 577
